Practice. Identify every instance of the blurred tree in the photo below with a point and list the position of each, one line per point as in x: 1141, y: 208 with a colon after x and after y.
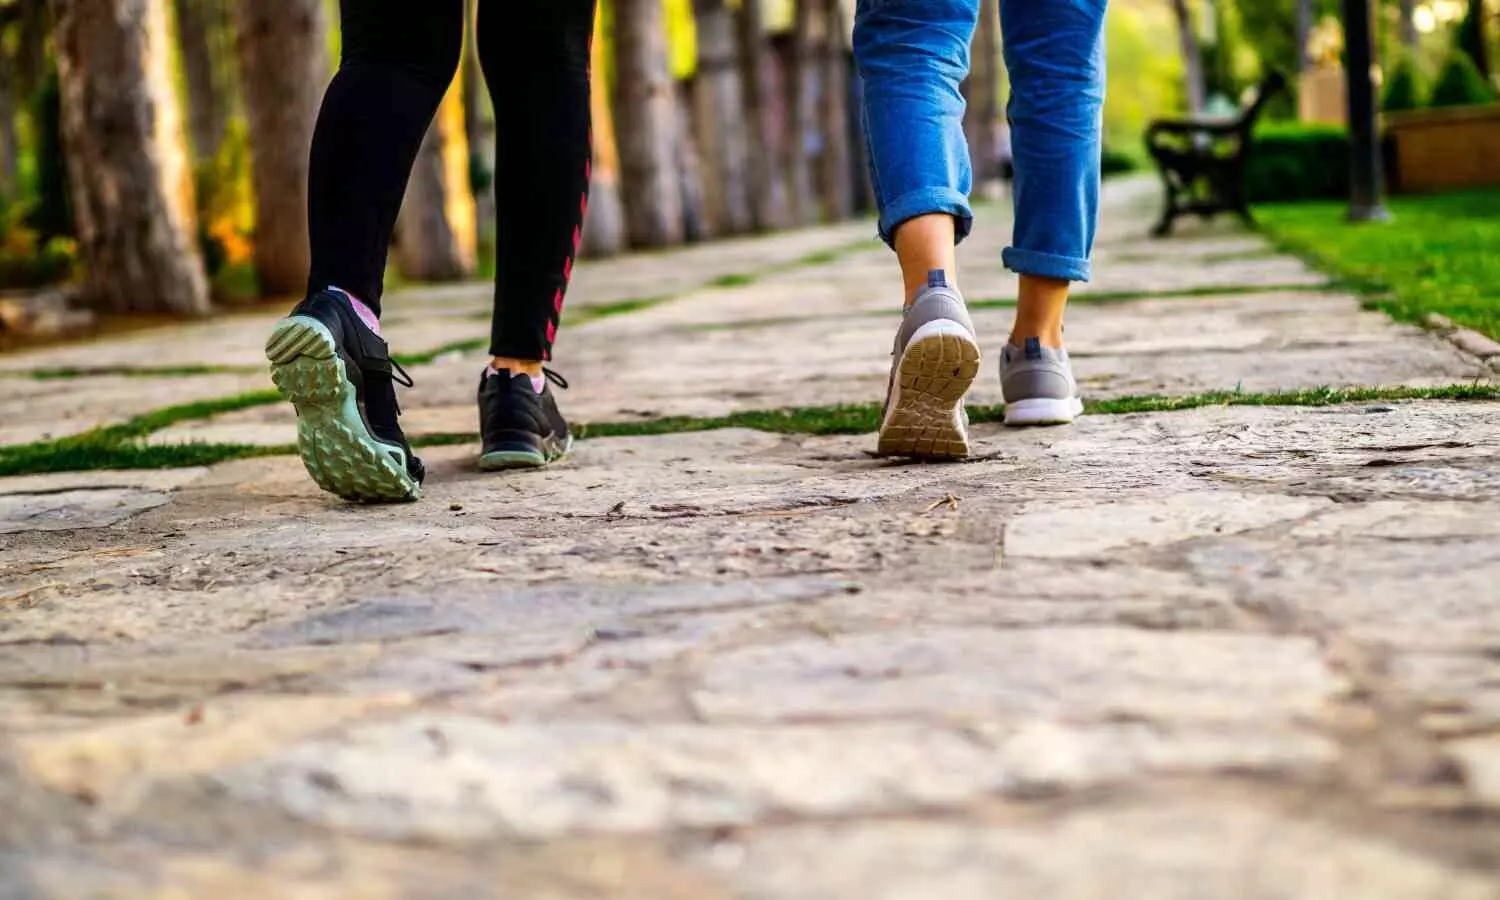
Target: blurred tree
x: 1304, y: 31
x: 1192, y: 57
x: 128, y: 168
x: 24, y: 27
x: 1407, y: 12
x: 9, y: 104
x: 835, y: 184
x: 768, y: 193
x: 695, y: 225
x: 1144, y: 82
x: 479, y: 130
x: 982, y: 91
x: 283, y: 56
x: 53, y: 214
x: 720, y: 122
x: 682, y: 57
x: 204, y: 33
x: 435, y: 239
x: 800, y: 94
x: 604, y: 226
x: 32, y: 63
x: 646, y: 114
x: 1472, y: 40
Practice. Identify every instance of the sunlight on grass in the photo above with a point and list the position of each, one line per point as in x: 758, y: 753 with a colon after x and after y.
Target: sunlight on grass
x: 1439, y: 254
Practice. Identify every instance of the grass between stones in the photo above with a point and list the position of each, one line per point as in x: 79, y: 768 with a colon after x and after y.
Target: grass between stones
x: 63, y: 373
x: 584, y: 314
x: 1099, y: 297
x: 815, y: 258
x: 1436, y: 255
x: 1225, y: 290
x: 120, y: 447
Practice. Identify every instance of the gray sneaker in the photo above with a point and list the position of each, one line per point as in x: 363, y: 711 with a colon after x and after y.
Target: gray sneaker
x: 1038, y: 385
x: 935, y: 360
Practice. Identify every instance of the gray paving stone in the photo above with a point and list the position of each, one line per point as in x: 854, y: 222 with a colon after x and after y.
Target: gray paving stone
x: 1191, y: 850
x: 540, y: 780
x: 1084, y: 673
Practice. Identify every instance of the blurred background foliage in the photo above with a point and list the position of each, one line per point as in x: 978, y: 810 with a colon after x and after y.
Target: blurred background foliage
x: 1166, y: 58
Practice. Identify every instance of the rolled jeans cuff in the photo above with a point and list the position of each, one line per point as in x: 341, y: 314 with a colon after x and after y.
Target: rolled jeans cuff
x: 926, y: 202
x: 1046, y: 265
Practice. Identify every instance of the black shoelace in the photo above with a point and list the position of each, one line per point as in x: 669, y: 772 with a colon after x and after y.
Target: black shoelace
x: 405, y: 380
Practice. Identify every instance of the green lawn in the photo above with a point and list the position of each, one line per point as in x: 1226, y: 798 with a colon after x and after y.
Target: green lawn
x: 1440, y: 253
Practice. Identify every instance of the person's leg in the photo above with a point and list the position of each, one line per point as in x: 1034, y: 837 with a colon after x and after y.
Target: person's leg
x: 535, y: 56
x: 912, y: 55
x: 397, y: 60
x: 1054, y: 52
x: 327, y: 355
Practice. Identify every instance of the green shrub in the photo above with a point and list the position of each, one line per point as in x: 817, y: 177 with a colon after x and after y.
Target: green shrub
x: 33, y: 265
x: 52, y: 214
x: 1117, y: 162
x: 1404, y: 90
x: 1297, y: 162
x: 1460, y: 84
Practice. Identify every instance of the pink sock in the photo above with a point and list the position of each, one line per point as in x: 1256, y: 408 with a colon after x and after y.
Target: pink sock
x: 365, y: 313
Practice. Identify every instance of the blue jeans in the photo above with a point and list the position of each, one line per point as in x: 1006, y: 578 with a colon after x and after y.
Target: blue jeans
x: 912, y: 54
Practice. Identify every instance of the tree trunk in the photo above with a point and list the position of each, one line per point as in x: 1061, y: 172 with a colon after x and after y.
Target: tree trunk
x: 1473, y: 37
x: 9, y: 141
x: 132, y: 190
x: 198, y: 22
x: 604, y: 226
x: 768, y: 194
x: 695, y: 225
x: 479, y: 132
x: 834, y: 174
x: 1408, y: 13
x: 859, y: 151
x: 435, y: 231
x: 719, y: 119
x: 646, y: 113
x: 801, y: 87
x: 31, y: 49
x: 982, y: 91
x: 1304, y: 31
x: 283, y: 68
x: 1192, y: 58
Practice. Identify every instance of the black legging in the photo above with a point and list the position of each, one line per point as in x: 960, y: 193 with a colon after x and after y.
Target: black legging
x: 399, y: 57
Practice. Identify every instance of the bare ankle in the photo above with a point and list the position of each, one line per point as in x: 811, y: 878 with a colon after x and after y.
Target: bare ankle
x: 532, y: 367
x: 1050, y: 337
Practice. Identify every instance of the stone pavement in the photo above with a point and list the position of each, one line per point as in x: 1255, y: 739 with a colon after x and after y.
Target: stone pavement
x: 1227, y: 652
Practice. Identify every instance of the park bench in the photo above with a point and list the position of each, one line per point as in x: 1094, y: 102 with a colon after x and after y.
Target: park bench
x: 1202, y: 161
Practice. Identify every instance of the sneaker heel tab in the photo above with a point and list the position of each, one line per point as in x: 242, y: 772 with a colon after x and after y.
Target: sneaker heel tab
x: 937, y: 278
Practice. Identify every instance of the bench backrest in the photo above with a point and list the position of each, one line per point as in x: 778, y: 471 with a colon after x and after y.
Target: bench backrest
x: 1269, y: 87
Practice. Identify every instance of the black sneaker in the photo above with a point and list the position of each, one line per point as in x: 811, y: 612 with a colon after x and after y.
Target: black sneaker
x: 340, y: 376
x: 521, y: 428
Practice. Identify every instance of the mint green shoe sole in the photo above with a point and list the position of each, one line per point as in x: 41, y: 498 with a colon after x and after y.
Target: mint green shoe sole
x: 500, y: 460
x: 336, y: 447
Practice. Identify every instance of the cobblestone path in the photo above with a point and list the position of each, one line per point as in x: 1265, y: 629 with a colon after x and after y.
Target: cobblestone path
x: 1232, y: 635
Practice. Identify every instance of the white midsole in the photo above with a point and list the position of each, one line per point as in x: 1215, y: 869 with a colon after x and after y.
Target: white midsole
x: 1043, y: 410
